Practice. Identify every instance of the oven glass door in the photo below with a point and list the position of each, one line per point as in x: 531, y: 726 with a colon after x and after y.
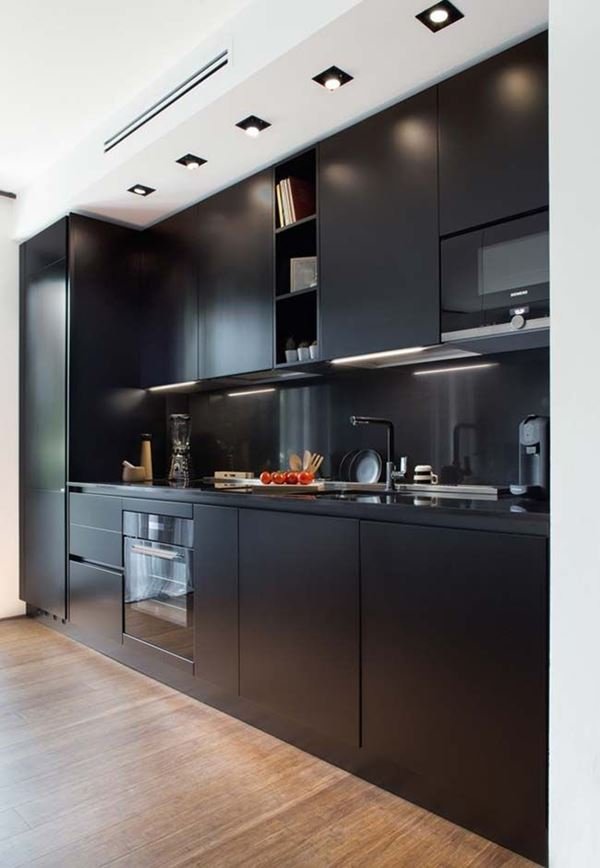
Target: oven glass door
x: 488, y: 273
x: 159, y: 597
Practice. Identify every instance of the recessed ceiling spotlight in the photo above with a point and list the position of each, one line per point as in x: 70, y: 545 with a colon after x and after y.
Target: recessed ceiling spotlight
x: 191, y: 162
x: 141, y: 190
x: 252, y: 125
x: 332, y: 78
x: 439, y: 16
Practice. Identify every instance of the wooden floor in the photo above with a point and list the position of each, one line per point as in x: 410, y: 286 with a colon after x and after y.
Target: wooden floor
x: 100, y: 765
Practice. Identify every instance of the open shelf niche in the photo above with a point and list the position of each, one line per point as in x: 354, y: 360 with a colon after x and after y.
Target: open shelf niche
x: 296, y: 311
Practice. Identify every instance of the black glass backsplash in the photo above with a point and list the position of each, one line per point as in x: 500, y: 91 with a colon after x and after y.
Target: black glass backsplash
x: 469, y: 419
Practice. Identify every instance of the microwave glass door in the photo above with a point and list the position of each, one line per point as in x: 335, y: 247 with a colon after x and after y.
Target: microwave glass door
x: 514, y: 266
x: 488, y: 273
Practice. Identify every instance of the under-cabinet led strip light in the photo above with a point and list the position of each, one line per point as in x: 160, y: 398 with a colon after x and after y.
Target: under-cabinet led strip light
x: 172, y: 386
x: 456, y: 368
x: 386, y: 354
x: 249, y: 392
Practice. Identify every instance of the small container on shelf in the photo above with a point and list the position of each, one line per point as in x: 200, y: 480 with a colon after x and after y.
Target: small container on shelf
x: 303, y: 352
x: 314, y: 350
x: 291, y: 353
x: 303, y: 273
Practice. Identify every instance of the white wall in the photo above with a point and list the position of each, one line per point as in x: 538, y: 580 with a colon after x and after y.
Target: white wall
x: 575, y: 395
x: 9, y: 415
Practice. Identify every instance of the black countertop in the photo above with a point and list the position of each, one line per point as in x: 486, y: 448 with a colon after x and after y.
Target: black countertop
x: 505, y: 515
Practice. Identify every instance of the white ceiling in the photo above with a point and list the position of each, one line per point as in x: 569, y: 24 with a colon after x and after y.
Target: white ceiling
x: 277, y: 48
x: 65, y: 64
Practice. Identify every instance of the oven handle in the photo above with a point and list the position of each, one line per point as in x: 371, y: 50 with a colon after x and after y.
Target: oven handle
x: 154, y: 553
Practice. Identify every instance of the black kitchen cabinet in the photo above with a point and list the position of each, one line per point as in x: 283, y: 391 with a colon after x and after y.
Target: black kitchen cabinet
x: 454, y: 674
x: 43, y: 420
x: 299, y: 619
x: 80, y: 314
x: 235, y: 231
x: 216, y: 596
x: 171, y: 336
x: 96, y: 601
x: 107, y: 410
x: 379, y: 232
x: 493, y: 121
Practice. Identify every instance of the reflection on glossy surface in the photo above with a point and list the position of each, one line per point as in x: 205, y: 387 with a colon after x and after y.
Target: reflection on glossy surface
x: 519, y: 88
x: 259, y: 432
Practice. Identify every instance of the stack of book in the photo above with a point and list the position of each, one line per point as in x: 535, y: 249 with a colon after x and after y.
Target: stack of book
x: 295, y: 200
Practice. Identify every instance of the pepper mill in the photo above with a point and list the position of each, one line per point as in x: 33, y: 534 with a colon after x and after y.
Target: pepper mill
x: 146, y: 457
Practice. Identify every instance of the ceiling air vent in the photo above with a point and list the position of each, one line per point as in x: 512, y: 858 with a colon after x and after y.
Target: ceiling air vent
x: 206, y: 71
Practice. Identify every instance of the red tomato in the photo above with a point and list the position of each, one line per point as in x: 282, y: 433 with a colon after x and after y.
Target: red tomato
x: 266, y: 478
x: 291, y: 478
x: 305, y: 477
x: 279, y: 478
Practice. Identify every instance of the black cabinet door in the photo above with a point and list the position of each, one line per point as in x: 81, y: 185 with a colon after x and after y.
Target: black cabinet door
x: 43, y: 448
x: 455, y: 672
x: 170, y: 282
x: 96, y: 601
x: 235, y: 228
x: 43, y: 379
x: 107, y: 411
x: 493, y: 122
x: 216, y: 596
x: 379, y: 232
x: 299, y: 619
x: 43, y: 550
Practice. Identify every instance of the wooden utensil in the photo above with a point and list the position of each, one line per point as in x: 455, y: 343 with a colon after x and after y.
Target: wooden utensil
x: 306, y: 459
x: 295, y: 463
x: 315, y: 462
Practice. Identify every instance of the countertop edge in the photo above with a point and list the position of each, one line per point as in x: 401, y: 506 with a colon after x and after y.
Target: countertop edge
x: 477, y: 518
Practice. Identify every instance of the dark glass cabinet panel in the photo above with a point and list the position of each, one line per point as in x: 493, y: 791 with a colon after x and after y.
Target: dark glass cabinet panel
x: 379, y: 232
x: 454, y: 629
x: 235, y: 232
x: 494, y: 138
x: 170, y: 301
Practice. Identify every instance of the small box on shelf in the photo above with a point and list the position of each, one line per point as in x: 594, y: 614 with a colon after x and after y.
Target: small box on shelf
x: 303, y: 273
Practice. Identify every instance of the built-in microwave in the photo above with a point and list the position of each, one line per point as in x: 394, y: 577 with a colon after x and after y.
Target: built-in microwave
x: 496, y: 279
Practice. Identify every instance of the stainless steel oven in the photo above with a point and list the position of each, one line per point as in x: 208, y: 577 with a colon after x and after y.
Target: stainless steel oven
x: 496, y: 279
x: 159, y: 593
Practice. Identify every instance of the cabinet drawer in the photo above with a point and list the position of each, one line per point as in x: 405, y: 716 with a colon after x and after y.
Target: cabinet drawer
x: 96, y: 600
x: 93, y: 544
x: 159, y: 507
x: 93, y: 510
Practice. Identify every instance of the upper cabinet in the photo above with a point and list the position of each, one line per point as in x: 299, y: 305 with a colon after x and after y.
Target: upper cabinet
x: 170, y: 346
x: 235, y: 238
x: 493, y: 121
x: 378, y: 220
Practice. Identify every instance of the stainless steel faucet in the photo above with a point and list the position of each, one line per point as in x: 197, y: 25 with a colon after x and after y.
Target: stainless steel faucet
x: 391, y: 473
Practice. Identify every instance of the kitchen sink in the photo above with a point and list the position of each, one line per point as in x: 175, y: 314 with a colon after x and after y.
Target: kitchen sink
x: 474, y: 492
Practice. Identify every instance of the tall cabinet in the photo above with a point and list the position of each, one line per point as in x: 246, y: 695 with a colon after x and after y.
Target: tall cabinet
x: 81, y: 407
x: 43, y: 448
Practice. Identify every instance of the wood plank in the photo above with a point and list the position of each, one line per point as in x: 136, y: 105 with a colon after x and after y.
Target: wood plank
x: 149, y: 777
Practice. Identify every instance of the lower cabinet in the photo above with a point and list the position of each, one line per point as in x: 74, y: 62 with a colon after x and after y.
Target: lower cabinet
x: 96, y: 600
x: 216, y: 596
x: 454, y: 673
x: 43, y: 544
x: 299, y: 619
